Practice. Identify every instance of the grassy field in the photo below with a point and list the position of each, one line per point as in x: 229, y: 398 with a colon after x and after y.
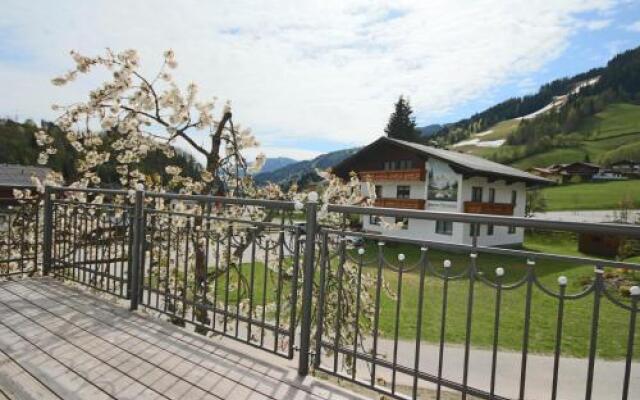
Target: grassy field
x: 592, y: 196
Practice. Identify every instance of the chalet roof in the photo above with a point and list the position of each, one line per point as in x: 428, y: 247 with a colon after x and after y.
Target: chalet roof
x: 16, y: 175
x: 466, y: 163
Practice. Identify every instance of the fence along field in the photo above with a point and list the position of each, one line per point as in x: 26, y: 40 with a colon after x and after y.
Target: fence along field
x: 360, y: 310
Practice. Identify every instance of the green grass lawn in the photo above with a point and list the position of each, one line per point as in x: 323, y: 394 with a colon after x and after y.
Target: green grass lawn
x: 592, y: 196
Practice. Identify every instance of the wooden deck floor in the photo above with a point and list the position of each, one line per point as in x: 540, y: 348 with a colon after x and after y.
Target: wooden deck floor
x: 57, y: 342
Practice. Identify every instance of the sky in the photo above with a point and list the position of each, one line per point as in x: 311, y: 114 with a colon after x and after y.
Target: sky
x: 316, y: 76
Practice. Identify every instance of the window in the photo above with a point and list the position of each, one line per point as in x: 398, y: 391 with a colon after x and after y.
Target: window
x: 489, y: 229
x: 444, y: 227
x: 402, y: 222
x: 492, y: 195
x: 398, y: 165
x: 512, y: 230
x: 476, y: 193
x: 406, y: 164
x: 374, y: 220
x: 403, y: 192
x: 474, y: 230
x: 378, y: 189
x: 514, y: 197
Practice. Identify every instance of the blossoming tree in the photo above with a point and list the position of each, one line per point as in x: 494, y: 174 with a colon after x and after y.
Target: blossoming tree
x: 147, y: 114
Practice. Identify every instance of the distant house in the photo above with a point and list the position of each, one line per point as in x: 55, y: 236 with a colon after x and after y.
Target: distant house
x: 582, y: 170
x: 15, y: 176
x: 628, y: 168
x: 554, y: 175
x: 564, y: 173
x: 415, y: 176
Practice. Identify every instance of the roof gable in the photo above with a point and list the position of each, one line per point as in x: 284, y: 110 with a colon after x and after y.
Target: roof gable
x: 463, y: 163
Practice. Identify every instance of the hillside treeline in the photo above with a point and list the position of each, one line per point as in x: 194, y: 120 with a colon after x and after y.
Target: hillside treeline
x: 18, y: 146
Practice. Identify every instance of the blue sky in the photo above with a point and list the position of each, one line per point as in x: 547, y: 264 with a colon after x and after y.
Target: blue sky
x: 311, y: 77
x: 586, y: 49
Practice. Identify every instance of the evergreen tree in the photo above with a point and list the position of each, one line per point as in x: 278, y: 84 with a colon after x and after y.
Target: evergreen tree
x: 402, y: 124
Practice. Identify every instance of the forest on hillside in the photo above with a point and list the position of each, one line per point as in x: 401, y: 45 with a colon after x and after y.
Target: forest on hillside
x: 617, y: 82
x: 19, y: 147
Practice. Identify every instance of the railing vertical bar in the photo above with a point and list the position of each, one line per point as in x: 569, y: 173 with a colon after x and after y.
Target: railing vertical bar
x: 294, y: 291
x: 252, y: 275
x: 397, y: 327
x: 324, y: 261
x: 265, y: 278
x: 593, y: 342
x: 238, y: 286
x: 207, y: 231
x: 443, y: 325
x: 558, y: 344
x: 496, y: 332
x: 47, y: 231
x: 356, y: 320
x: 527, y: 322
x: 279, y: 287
x: 416, y: 360
x: 338, y: 318
x: 152, y: 232
x: 635, y: 295
x: 307, y: 289
x: 119, y: 250
x: 196, y: 305
x: 167, y: 278
x: 469, y: 319
x: 110, y: 274
x: 185, y: 268
x: 216, y: 282
x: 227, y: 275
x: 134, y: 267
x: 376, y: 317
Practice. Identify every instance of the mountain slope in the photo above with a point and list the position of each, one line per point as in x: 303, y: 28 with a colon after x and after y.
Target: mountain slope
x: 272, y: 164
x: 303, y: 171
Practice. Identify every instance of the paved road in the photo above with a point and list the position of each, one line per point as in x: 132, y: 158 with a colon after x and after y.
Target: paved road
x: 587, y: 215
x: 572, y: 382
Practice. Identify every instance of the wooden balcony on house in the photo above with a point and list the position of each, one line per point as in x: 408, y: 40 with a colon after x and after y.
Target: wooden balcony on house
x: 413, y: 204
x: 478, y: 207
x: 416, y: 174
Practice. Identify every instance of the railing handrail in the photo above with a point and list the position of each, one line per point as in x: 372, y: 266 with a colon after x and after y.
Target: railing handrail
x: 532, y: 255
x: 578, y: 227
x: 279, y: 204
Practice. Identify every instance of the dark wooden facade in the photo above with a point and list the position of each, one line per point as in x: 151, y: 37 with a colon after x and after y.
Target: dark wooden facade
x: 373, y: 160
x: 478, y: 207
x: 414, y: 174
x: 413, y: 204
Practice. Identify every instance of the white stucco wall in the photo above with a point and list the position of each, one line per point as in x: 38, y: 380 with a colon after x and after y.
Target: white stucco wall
x: 501, y: 235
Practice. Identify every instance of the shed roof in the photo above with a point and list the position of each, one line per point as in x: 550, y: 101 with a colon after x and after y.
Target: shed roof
x: 16, y: 175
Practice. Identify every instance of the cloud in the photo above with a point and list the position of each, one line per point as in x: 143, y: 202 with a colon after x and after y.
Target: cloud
x: 634, y: 27
x: 295, y: 70
x: 597, y: 24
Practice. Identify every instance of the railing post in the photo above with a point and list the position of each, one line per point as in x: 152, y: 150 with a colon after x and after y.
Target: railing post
x: 47, y: 233
x: 307, y: 288
x: 136, y: 250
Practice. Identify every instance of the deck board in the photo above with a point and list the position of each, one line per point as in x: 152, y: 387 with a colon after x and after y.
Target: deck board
x: 69, y: 344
